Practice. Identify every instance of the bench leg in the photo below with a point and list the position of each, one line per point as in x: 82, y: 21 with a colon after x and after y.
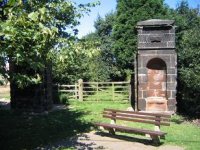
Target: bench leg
x: 157, y: 128
x: 112, y: 121
x: 147, y: 135
x: 162, y: 137
x: 111, y: 131
x: 155, y: 139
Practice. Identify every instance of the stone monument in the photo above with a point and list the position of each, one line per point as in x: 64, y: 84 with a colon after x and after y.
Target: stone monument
x: 156, y: 66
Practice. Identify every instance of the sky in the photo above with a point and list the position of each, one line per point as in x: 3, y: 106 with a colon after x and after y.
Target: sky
x: 87, y: 22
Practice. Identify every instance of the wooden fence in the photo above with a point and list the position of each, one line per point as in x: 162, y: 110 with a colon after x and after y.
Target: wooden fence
x: 86, y: 91
x: 71, y: 90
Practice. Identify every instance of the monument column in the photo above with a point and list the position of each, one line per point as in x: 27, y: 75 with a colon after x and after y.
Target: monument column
x: 156, y: 68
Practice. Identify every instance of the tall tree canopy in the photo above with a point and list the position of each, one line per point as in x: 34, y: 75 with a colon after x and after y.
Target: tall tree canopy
x: 187, y: 33
x: 104, y: 30
x: 103, y: 63
x: 129, y: 12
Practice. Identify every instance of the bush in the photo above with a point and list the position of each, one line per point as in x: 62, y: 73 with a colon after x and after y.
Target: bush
x: 63, y: 98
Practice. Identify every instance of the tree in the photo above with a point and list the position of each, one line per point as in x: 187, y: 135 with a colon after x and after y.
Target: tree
x: 75, y: 61
x: 104, y: 31
x: 129, y: 12
x: 189, y: 72
x: 106, y: 58
x: 30, y: 32
x: 187, y: 33
x: 29, y: 36
x: 98, y: 68
x: 186, y: 18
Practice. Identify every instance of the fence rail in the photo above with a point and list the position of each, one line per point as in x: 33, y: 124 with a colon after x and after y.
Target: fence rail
x: 98, y: 91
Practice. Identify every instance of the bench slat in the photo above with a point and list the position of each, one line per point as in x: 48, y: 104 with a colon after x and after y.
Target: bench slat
x: 131, y: 130
x: 144, y: 113
x: 136, y: 120
x: 136, y: 116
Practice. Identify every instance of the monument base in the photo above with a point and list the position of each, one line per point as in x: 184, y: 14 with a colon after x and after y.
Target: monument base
x: 156, y: 104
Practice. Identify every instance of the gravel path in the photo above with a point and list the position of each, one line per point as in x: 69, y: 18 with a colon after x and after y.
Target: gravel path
x: 97, y: 140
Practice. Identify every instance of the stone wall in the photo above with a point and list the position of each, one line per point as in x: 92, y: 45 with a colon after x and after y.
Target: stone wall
x: 154, y: 38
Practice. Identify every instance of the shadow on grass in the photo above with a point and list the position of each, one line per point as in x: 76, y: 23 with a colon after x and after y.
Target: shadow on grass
x: 22, y: 131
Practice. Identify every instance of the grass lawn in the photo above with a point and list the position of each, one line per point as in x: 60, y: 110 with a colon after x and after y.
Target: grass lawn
x: 107, y: 95
x: 23, y: 131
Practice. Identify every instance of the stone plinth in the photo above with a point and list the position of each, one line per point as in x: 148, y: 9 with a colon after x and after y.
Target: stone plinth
x: 156, y: 104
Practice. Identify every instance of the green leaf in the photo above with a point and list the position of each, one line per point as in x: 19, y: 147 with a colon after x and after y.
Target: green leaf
x: 12, y: 2
x: 33, y: 16
x: 1, y: 34
x: 55, y: 29
x: 42, y: 10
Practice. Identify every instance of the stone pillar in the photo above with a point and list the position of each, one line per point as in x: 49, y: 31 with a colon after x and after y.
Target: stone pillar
x: 34, y: 97
x: 156, y: 68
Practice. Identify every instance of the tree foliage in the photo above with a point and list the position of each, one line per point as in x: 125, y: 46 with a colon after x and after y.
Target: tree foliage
x: 101, y: 66
x: 75, y: 61
x: 31, y: 30
x: 187, y: 33
x: 104, y: 30
x: 189, y: 72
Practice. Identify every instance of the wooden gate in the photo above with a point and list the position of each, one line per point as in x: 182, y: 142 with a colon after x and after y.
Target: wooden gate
x: 97, y: 91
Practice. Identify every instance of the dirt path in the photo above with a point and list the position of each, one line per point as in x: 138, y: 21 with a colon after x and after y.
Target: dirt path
x: 97, y: 140
x: 4, y: 103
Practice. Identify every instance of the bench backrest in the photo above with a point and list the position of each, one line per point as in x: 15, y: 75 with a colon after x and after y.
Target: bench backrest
x: 144, y: 117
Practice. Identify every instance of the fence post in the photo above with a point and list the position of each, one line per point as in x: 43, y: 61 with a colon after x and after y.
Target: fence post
x: 80, y: 89
x: 129, y: 91
x: 113, y: 91
x: 97, y: 91
x: 76, y: 91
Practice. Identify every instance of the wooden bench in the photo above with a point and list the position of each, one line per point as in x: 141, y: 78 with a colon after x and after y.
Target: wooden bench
x: 157, y: 119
